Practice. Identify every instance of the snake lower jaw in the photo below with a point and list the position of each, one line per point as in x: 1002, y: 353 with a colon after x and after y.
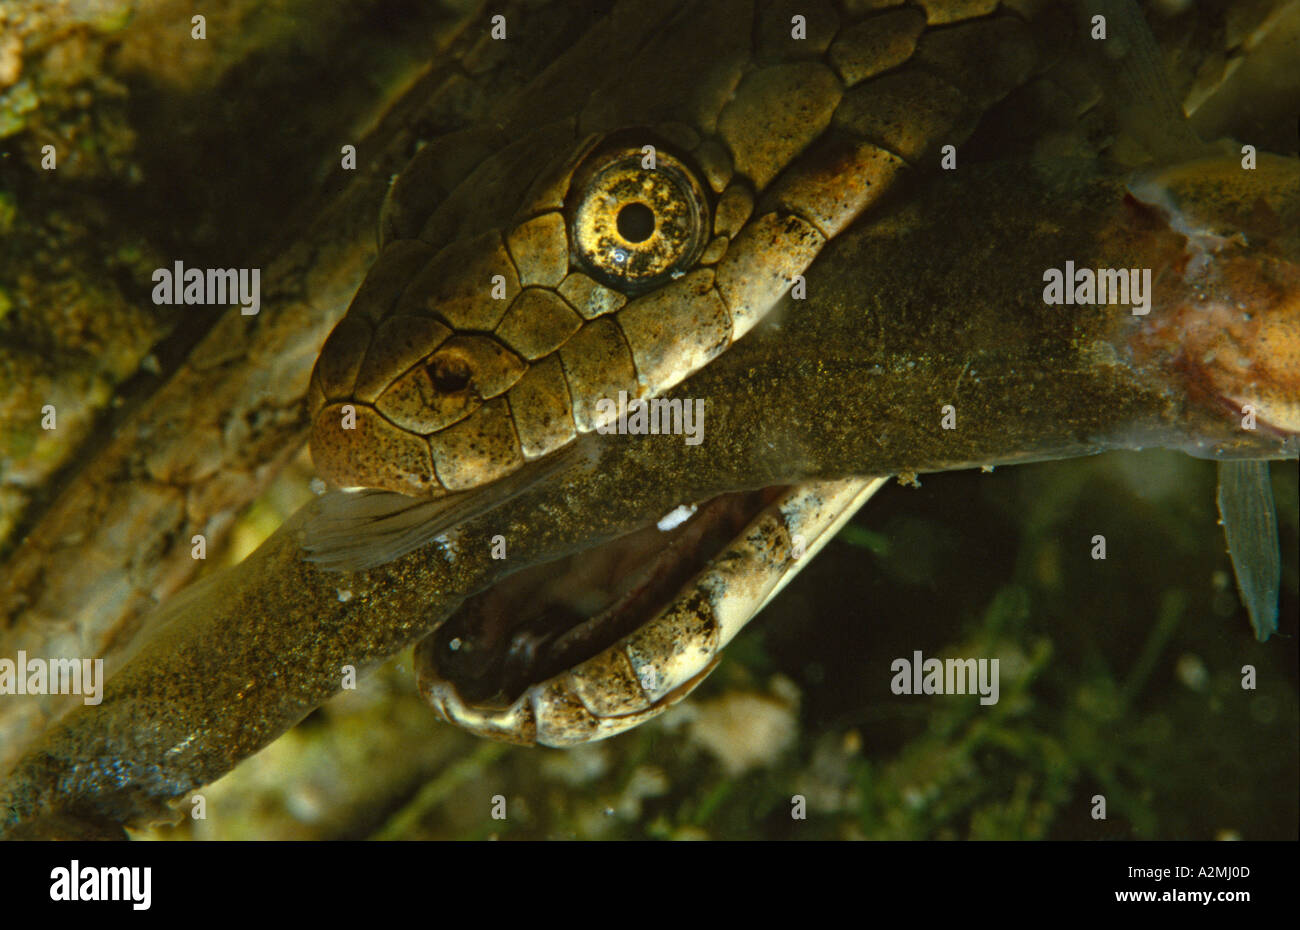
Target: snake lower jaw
x: 529, y: 662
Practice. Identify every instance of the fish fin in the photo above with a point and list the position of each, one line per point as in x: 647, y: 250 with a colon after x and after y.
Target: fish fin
x: 354, y: 530
x: 1130, y: 66
x: 1250, y: 525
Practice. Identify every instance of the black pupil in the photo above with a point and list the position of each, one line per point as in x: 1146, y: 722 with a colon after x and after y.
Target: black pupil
x: 636, y: 222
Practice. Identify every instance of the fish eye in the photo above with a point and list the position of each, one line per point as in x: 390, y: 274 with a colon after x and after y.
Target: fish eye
x: 633, y: 226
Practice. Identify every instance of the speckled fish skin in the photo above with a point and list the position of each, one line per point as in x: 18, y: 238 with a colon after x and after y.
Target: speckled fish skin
x: 786, y: 141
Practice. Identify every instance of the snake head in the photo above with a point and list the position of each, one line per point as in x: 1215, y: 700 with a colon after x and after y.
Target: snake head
x: 488, y: 341
x: 468, y: 353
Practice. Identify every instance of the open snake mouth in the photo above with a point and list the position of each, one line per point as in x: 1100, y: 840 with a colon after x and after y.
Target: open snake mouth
x: 598, y: 642
x: 551, y: 617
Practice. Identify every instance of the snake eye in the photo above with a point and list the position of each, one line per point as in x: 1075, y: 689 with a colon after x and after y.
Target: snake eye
x: 633, y: 227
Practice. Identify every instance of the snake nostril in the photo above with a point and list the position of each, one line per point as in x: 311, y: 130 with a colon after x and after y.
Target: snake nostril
x: 449, y: 375
x: 636, y: 222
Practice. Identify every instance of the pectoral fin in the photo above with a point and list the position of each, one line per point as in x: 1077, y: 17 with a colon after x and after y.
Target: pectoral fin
x: 1250, y: 525
x: 354, y: 530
